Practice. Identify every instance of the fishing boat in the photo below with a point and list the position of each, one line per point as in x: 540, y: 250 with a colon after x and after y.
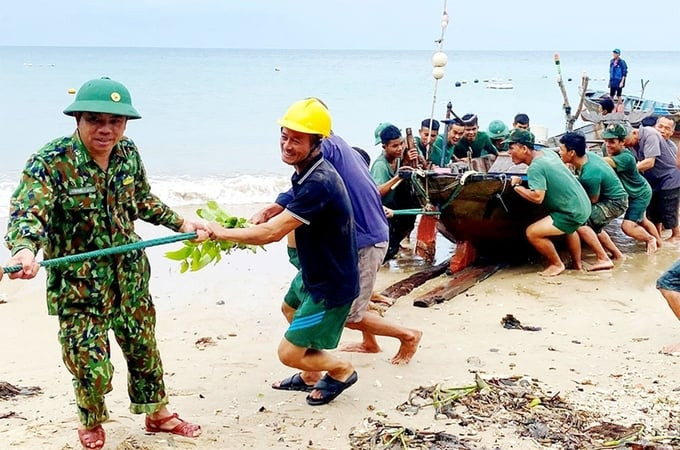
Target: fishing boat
x: 632, y: 103
x: 477, y: 204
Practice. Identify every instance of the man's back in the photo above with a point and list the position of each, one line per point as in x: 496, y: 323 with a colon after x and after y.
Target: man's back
x: 599, y: 179
x: 664, y: 175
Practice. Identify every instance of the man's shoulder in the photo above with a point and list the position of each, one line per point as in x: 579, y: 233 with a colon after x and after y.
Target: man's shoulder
x: 56, y: 148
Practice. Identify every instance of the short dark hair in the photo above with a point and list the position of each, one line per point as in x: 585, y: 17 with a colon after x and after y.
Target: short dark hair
x: 430, y: 123
x: 649, y: 121
x: 574, y: 141
x: 364, y: 154
x: 607, y: 104
x: 469, y: 120
x: 389, y: 133
x: 521, y: 118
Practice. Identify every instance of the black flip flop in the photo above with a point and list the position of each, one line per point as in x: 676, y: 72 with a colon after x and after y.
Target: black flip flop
x: 294, y: 383
x: 331, y: 388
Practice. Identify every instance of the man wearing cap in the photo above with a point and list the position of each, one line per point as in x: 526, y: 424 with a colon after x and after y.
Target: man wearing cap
x: 320, y: 215
x: 618, y: 71
x: 475, y: 143
x: 657, y: 163
x: 429, y: 140
x: 395, y: 191
x: 608, y: 198
x: 82, y: 193
x: 635, y: 223
x: 498, y: 132
x: 552, y: 184
x: 441, y: 156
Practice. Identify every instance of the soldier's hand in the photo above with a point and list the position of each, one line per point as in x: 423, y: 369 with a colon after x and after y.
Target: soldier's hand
x: 26, y: 259
x: 199, y: 226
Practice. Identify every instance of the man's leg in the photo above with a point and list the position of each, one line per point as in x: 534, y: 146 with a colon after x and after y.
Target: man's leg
x: 85, y: 351
x: 609, y: 245
x: 373, y: 324
x: 669, y: 286
x: 639, y: 233
x: 538, y: 234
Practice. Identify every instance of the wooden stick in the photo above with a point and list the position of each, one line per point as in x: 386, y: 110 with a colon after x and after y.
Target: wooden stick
x: 459, y: 282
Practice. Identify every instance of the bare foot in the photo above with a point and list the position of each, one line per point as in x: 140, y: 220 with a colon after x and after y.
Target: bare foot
x: 673, y: 240
x: 360, y: 347
x: 671, y: 349
x: 379, y: 298
x: 651, y: 246
x: 407, y: 348
x: 553, y: 270
x: 601, y: 264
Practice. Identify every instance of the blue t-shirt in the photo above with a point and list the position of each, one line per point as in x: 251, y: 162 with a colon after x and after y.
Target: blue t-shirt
x: 617, y: 69
x: 326, y: 243
x: 369, y: 217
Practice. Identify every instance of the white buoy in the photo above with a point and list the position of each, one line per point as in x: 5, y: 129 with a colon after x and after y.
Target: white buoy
x: 439, y: 59
x: 71, y: 91
x: 438, y: 73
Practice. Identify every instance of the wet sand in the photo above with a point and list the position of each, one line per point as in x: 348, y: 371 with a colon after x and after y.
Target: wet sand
x: 598, y: 347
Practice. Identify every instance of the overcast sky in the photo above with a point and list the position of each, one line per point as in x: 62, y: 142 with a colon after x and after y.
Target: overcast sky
x: 343, y: 24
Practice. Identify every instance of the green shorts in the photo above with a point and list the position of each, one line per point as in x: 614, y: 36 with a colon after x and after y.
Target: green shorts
x: 605, y: 211
x: 565, y: 222
x: 637, y: 207
x: 314, y: 325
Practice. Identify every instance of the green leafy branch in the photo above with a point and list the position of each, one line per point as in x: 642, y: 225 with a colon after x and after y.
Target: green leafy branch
x: 195, y: 256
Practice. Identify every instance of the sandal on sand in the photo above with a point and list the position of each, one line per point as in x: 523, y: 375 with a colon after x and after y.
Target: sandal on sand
x: 182, y: 429
x: 330, y: 388
x: 294, y: 383
x: 90, y: 437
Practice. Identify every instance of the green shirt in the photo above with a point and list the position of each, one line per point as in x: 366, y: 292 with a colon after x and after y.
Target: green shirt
x: 435, y: 150
x: 599, y: 179
x: 66, y: 204
x: 633, y: 182
x: 565, y: 199
x: 381, y: 172
x: 481, y: 146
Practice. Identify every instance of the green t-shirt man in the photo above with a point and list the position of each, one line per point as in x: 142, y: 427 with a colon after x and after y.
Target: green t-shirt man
x: 381, y: 172
x: 600, y: 180
x: 481, y: 146
x: 566, y: 201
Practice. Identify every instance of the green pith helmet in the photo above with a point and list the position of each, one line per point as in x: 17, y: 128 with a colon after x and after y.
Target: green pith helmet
x: 497, y: 129
x: 103, y: 95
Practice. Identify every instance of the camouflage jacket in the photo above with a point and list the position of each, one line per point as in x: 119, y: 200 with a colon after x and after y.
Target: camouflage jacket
x: 66, y: 204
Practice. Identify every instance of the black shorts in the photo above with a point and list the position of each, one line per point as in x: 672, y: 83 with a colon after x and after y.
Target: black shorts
x: 614, y: 88
x: 663, y: 208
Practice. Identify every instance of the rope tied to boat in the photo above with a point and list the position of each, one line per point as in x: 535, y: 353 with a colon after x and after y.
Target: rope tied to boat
x: 62, y: 260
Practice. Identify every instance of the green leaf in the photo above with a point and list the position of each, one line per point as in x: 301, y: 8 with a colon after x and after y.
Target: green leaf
x: 180, y: 254
x: 184, y: 267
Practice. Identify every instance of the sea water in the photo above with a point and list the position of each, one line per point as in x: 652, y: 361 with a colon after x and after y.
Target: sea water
x: 209, y: 127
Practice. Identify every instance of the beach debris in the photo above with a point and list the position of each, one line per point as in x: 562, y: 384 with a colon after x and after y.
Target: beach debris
x: 457, y: 283
x: 516, y: 403
x: 512, y: 323
x: 8, y: 390
x: 11, y: 415
x: 377, y: 434
x: 195, y: 256
x: 3, y: 299
x: 204, y: 342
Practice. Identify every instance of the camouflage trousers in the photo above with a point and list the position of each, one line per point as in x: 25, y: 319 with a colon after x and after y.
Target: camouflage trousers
x: 86, y: 352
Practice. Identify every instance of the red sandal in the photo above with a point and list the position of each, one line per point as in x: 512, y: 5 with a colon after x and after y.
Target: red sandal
x: 89, y: 437
x: 183, y: 428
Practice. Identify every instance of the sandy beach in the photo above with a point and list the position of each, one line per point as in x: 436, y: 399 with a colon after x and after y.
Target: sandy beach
x: 218, y: 330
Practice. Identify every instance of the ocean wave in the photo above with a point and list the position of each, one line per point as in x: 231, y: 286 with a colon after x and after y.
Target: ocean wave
x: 186, y: 190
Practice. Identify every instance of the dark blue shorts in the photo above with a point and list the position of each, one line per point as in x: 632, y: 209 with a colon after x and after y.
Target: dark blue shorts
x: 663, y: 208
x: 670, y: 279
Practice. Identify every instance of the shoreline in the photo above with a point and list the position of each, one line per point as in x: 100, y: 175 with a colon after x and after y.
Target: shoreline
x: 598, y: 347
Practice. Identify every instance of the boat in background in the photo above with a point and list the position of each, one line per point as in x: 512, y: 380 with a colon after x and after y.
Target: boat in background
x: 632, y: 103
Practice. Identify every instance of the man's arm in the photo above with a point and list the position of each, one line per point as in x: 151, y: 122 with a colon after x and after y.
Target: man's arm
x: 646, y: 164
x: 265, y: 233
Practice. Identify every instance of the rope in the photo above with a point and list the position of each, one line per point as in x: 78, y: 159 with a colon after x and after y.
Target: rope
x: 107, y: 251
x: 414, y: 212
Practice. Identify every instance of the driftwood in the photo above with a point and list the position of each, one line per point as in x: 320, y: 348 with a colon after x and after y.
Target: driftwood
x: 403, y: 287
x: 459, y: 282
x: 569, y: 117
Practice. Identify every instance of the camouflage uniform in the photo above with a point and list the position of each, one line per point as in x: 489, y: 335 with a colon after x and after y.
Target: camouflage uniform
x: 66, y: 204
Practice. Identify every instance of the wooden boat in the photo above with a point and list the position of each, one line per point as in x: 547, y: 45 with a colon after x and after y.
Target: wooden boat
x: 631, y: 103
x: 478, y: 205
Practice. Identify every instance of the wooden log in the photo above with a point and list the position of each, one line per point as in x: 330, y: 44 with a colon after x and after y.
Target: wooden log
x: 459, y: 282
x: 403, y: 287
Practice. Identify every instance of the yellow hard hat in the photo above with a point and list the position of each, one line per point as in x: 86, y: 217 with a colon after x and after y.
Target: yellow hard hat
x: 307, y: 116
